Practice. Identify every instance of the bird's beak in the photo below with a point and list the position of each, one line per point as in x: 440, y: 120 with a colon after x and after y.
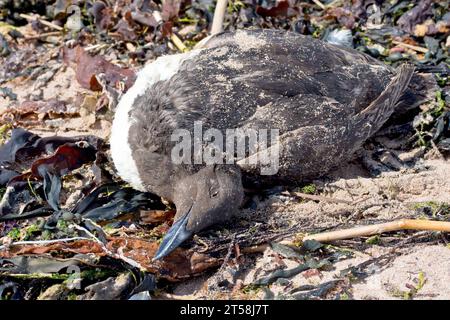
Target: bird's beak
x: 176, y: 235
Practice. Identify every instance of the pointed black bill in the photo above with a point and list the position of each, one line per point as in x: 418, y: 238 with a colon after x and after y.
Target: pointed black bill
x: 176, y: 235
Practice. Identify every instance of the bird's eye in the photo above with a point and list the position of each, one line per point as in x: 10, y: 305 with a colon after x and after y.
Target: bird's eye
x: 213, y: 192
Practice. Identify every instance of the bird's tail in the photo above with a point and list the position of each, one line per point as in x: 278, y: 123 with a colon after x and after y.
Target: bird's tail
x: 421, y: 89
x: 372, y: 118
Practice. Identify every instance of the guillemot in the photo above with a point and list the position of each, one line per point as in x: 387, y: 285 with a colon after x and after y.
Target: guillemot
x: 324, y: 101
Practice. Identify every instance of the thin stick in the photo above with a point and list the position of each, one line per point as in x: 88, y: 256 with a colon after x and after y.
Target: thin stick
x: 44, y: 22
x: 228, y: 255
x: 219, y: 16
x: 410, y: 46
x: 42, y: 242
x: 319, y: 198
x: 43, y: 35
x: 334, y: 3
x: 93, y: 237
x: 320, y: 4
x: 177, y: 297
x: 95, y: 47
x: 403, y: 224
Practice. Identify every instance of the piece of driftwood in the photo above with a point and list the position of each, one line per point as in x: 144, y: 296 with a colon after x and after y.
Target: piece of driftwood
x: 403, y: 224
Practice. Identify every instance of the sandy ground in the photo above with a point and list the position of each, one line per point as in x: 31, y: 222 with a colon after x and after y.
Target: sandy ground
x: 391, y: 267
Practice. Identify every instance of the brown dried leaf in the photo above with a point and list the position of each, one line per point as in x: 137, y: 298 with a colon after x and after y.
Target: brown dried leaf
x: 344, y: 16
x: 125, y: 30
x: 156, y: 216
x: 166, y: 29
x: 87, y: 67
x: 39, y: 110
x: 144, y: 18
x: 429, y: 28
x: 66, y: 158
x: 170, y: 9
x: 281, y: 9
x: 416, y: 15
x: 178, y: 265
x: 103, y: 16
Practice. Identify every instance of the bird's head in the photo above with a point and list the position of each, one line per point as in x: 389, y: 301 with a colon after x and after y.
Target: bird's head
x: 209, y: 196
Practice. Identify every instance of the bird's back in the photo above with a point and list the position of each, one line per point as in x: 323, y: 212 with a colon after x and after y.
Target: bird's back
x: 240, y: 72
x: 255, y: 79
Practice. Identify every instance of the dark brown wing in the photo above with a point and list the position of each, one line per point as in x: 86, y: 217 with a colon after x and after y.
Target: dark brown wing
x: 370, y: 120
x: 242, y: 71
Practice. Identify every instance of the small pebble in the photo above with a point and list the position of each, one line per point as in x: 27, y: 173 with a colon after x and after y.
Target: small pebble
x: 67, y: 216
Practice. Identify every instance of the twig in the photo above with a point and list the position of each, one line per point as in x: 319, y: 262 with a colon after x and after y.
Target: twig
x: 43, y: 242
x: 171, y: 296
x: 43, y: 35
x: 410, y: 46
x: 228, y: 255
x: 95, y: 46
x: 320, y: 4
x: 219, y: 16
x: 259, y: 248
x: 44, y: 22
x: 319, y: 198
x: 202, y: 242
x: 93, y: 237
x: 403, y: 224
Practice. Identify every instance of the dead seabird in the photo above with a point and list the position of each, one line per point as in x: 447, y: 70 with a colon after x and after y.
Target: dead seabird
x: 324, y: 100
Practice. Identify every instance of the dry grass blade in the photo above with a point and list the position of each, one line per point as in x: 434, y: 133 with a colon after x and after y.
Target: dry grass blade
x: 43, y: 35
x: 44, y: 22
x: 410, y: 46
x: 320, y: 4
x: 319, y: 198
